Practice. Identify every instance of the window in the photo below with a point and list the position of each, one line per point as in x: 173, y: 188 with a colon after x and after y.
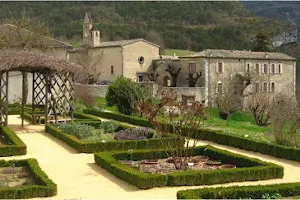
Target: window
x: 140, y: 78
x: 220, y: 68
x: 273, y: 68
x: 265, y: 69
x: 265, y: 87
x: 279, y: 68
x: 272, y: 89
x: 248, y: 68
x: 257, y: 68
x: 192, y: 67
x: 112, y: 69
x: 256, y: 88
x: 219, y: 88
x: 141, y: 59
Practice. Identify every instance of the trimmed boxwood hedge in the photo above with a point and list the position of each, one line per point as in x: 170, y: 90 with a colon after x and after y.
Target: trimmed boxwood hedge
x: 79, y: 116
x: 45, y: 187
x: 241, y: 192
x: 249, y: 169
x: 91, y: 147
x: 220, y: 137
x: 17, y: 146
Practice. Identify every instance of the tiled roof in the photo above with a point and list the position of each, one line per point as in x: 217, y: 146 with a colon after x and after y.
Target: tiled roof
x: 123, y: 43
x: 218, y: 53
x: 9, y: 29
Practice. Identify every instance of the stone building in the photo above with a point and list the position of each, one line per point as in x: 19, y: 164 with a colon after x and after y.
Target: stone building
x: 270, y: 72
x: 109, y: 60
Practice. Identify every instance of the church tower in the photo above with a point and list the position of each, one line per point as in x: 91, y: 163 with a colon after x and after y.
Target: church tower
x: 91, y: 35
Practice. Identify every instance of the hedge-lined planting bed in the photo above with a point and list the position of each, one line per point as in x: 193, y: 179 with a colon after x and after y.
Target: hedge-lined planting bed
x: 241, y: 192
x: 120, y: 117
x: 249, y: 169
x: 45, y: 187
x: 220, y: 137
x: 91, y: 147
x: 17, y: 146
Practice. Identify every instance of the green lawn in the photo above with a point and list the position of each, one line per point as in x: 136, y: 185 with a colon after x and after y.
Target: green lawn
x: 178, y: 52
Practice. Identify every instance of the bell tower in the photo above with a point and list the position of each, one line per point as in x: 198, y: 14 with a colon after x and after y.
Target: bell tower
x: 91, y: 35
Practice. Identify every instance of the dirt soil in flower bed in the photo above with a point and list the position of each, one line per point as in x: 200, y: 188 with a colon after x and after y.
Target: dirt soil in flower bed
x: 15, y: 176
x: 165, y: 167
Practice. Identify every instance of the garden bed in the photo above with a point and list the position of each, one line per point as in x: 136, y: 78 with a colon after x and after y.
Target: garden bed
x: 248, y: 169
x: 220, y: 137
x: 10, y: 143
x: 24, y: 179
x: 242, y: 192
x: 89, y: 140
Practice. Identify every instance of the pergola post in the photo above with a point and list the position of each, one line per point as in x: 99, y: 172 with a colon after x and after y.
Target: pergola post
x: 23, y: 97
x: 6, y: 102
x: 46, y: 78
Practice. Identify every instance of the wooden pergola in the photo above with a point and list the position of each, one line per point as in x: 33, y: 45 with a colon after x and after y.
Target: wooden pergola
x: 52, y: 87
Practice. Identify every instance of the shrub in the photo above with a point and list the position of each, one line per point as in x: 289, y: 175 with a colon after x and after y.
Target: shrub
x: 17, y: 146
x: 90, y: 147
x: 242, y: 192
x: 45, y: 187
x: 133, y: 134
x: 249, y: 169
x: 123, y: 93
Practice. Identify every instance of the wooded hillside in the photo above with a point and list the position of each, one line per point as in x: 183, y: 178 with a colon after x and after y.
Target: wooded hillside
x: 177, y: 25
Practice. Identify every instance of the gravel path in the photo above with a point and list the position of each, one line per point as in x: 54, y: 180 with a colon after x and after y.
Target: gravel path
x: 78, y: 177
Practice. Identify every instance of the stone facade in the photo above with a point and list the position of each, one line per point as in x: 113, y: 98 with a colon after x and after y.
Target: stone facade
x: 127, y: 58
x: 94, y: 90
x: 271, y: 72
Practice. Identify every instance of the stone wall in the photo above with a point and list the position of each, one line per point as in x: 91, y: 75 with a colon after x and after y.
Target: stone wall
x: 94, y: 90
x: 100, y: 90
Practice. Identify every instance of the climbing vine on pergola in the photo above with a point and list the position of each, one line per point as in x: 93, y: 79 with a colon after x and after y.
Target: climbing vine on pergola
x: 52, y: 87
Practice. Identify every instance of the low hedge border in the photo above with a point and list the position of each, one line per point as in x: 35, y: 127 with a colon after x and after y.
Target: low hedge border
x: 91, y: 147
x: 45, y: 188
x: 220, y: 137
x: 17, y: 146
x: 241, y: 192
x: 249, y: 169
x: 79, y: 116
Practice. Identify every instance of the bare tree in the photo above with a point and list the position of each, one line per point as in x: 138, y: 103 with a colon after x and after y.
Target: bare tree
x: 173, y: 68
x: 258, y: 104
x: 185, y: 126
x: 91, y: 61
x: 230, y: 97
x: 193, y: 78
x: 285, y: 119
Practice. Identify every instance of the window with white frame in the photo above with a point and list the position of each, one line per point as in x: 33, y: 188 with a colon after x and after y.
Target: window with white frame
x: 192, y: 67
x: 219, y: 88
x: 265, y: 68
x: 265, y: 87
x: 272, y: 87
x: 220, y: 68
x: 257, y: 68
x: 279, y: 71
x: 273, y: 68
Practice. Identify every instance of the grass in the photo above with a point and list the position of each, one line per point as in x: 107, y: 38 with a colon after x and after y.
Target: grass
x: 102, y: 101
x: 178, y: 52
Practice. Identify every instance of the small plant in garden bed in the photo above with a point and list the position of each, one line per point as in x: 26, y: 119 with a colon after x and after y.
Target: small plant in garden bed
x: 24, y: 179
x: 139, y: 133
x: 105, y: 131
